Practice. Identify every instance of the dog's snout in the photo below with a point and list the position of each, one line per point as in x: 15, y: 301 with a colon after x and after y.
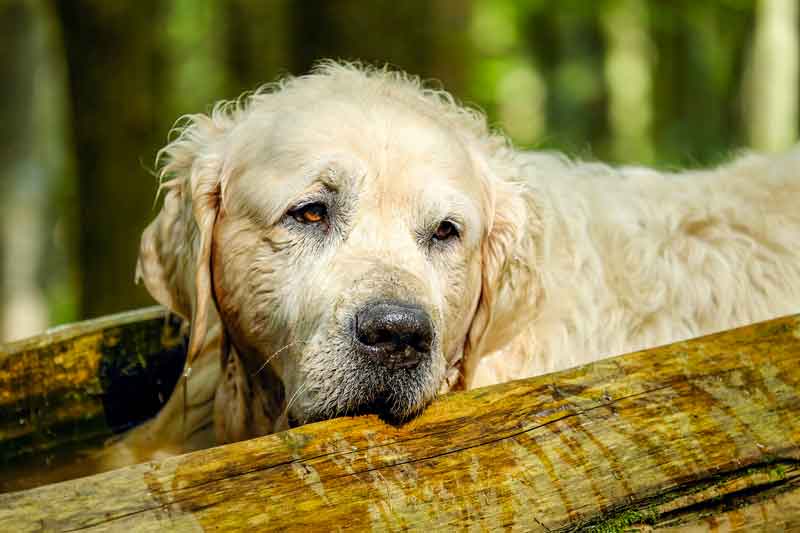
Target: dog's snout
x: 398, y: 334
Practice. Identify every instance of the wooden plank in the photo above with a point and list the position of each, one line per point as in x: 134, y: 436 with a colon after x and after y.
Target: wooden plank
x: 71, y: 387
x: 689, y: 435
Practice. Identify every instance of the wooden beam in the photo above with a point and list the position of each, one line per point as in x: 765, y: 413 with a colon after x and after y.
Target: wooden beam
x: 703, y: 433
x: 71, y: 388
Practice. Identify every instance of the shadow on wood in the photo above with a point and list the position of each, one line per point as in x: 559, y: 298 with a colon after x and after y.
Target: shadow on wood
x: 703, y: 433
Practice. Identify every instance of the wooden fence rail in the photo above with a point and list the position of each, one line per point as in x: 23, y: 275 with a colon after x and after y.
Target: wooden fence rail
x: 74, y: 386
x: 703, y: 434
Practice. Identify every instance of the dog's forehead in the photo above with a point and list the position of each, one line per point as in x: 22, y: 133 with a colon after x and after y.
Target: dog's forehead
x: 370, y: 145
x: 381, y: 131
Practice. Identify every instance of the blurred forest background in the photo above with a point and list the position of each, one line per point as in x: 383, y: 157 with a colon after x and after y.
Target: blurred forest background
x: 90, y: 89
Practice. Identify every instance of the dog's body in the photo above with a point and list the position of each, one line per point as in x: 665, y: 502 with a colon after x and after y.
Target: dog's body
x: 352, y: 242
x: 630, y: 258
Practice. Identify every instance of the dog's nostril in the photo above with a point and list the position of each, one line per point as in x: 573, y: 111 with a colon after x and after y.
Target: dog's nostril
x: 374, y: 336
x: 399, y: 334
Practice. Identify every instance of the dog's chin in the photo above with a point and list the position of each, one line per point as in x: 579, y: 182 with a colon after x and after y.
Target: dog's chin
x: 388, y: 409
x: 396, y: 396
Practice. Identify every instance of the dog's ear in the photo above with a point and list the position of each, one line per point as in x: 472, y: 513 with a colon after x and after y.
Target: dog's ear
x: 245, y: 405
x: 507, y: 277
x: 175, y: 253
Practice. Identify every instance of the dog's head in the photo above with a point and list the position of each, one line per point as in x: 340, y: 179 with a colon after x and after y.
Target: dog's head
x: 353, y: 229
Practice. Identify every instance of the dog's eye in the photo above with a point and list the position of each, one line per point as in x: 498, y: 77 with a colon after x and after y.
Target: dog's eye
x: 446, y: 230
x: 313, y: 213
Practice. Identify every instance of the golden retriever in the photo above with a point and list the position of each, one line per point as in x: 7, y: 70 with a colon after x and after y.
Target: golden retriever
x: 352, y: 241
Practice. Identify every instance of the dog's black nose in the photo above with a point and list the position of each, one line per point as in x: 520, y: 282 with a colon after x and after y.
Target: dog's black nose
x: 396, y: 333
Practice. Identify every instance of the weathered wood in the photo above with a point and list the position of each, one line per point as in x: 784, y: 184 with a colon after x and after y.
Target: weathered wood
x: 71, y: 388
x: 703, y: 433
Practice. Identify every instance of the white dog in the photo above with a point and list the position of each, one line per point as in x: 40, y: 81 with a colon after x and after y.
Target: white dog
x: 351, y: 241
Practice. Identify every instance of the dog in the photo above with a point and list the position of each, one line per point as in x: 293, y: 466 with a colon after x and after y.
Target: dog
x: 354, y: 241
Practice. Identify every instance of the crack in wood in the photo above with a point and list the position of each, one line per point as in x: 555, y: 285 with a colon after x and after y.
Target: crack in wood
x: 649, y: 508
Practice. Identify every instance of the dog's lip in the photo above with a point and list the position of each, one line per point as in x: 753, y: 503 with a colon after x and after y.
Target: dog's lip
x: 381, y: 406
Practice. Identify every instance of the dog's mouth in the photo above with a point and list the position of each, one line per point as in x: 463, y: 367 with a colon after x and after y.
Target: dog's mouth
x: 395, y: 396
x: 388, y: 409
x: 293, y: 422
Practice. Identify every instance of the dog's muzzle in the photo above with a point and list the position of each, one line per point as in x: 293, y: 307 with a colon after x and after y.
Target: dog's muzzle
x: 395, y: 334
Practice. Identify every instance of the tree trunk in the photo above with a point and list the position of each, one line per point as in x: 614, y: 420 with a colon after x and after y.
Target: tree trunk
x: 37, y: 285
x: 116, y: 79
x: 629, y: 80
x: 771, y: 83
x: 257, y: 42
x: 406, y: 35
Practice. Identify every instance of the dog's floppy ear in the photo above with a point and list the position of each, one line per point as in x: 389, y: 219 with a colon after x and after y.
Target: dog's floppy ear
x: 175, y: 253
x: 175, y: 263
x: 507, y: 277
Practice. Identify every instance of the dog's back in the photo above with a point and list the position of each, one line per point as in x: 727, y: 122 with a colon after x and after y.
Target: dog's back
x: 630, y: 258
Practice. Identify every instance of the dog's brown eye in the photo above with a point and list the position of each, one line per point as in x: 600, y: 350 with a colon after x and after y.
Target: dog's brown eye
x: 446, y: 230
x: 310, y: 213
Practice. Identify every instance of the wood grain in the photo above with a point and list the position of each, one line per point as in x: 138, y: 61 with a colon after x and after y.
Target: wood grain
x: 700, y: 434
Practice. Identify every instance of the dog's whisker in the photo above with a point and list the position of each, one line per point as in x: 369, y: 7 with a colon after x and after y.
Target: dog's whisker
x: 275, y: 354
x: 302, y: 388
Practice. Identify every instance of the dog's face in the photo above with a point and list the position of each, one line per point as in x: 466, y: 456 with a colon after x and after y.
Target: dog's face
x: 347, y: 254
x: 351, y: 228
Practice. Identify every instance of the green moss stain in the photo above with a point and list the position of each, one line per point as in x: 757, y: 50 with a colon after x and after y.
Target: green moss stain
x: 778, y: 473
x: 623, y: 521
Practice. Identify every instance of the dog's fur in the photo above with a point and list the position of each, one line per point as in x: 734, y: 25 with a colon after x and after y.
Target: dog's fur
x: 556, y: 263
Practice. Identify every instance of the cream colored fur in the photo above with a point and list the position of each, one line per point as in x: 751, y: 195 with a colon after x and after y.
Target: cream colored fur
x: 631, y: 258
x: 560, y: 263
